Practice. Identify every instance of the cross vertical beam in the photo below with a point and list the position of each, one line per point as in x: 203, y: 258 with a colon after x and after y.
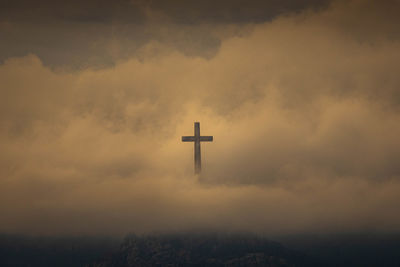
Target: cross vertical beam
x: 197, y: 138
x: 197, y: 151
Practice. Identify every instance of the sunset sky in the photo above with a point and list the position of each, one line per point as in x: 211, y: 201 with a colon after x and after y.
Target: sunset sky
x: 302, y: 98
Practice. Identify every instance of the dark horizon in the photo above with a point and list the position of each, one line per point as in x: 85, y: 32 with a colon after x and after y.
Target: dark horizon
x: 303, y: 250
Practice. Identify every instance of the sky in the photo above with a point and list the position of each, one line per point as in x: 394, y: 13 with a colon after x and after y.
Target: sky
x: 302, y: 98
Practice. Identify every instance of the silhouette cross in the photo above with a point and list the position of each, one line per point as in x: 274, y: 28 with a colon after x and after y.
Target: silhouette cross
x: 197, y: 138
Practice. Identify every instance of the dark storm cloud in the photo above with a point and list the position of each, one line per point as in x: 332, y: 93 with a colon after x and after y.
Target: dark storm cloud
x: 235, y: 11
x: 180, y: 11
x: 304, y: 110
x: 87, y: 33
x: 85, y: 11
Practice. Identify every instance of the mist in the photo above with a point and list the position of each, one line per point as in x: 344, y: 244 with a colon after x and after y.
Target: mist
x: 303, y: 105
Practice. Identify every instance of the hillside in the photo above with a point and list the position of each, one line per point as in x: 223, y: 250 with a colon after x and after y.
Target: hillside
x: 203, y: 250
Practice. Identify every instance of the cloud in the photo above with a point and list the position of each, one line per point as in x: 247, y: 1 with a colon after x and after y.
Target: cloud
x: 78, y: 34
x: 304, y: 115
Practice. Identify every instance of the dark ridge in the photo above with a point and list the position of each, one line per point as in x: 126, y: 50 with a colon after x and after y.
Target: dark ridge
x: 203, y: 250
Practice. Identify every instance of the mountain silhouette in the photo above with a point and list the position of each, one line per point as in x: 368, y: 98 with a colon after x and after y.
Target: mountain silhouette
x: 203, y: 250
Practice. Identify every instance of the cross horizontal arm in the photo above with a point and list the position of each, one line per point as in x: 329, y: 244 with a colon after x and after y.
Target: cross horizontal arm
x: 188, y: 139
x: 206, y: 138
